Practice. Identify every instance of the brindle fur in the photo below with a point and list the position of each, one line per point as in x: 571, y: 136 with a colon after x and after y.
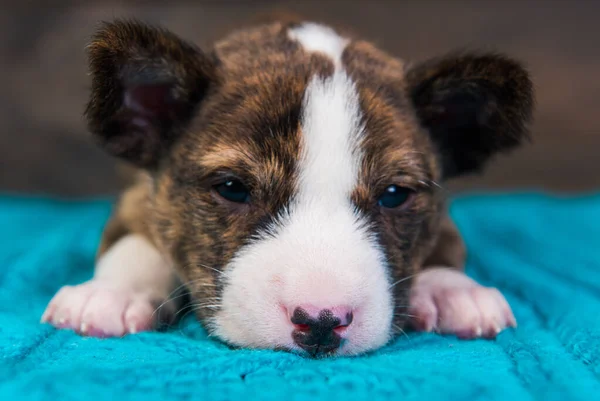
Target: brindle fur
x: 236, y: 110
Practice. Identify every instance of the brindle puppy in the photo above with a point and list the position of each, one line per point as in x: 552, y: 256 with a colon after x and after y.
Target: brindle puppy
x: 290, y: 182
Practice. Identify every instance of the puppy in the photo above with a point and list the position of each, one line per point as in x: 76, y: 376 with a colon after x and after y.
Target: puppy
x: 290, y: 185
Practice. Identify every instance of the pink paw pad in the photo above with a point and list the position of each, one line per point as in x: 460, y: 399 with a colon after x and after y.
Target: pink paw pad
x: 97, y: 310
x: 448, y: 302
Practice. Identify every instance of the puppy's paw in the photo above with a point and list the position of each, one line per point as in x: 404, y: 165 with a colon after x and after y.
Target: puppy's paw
x: 100, y: 310
x: 449, y: 302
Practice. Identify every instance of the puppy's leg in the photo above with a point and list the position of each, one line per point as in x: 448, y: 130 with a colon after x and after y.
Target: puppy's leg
x: 445, y: 300
x: 130, y: 292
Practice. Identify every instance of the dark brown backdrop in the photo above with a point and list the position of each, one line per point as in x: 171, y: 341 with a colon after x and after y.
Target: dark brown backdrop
x: 44, y: 146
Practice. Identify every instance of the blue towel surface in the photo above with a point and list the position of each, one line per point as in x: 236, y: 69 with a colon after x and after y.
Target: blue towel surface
x: 542, y: 252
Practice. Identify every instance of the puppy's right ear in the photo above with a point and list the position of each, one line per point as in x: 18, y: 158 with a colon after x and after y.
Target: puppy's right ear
x: 146, y: 85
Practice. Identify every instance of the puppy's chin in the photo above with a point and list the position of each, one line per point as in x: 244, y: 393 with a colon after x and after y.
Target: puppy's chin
x: 338, y: 269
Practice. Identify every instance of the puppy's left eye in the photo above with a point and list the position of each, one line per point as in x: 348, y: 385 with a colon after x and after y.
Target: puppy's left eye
x: 233, y: 191
x: 394, y: 196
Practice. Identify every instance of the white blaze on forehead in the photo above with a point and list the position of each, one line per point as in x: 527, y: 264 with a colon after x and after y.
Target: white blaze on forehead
x: 331, y: 129
x: 331, y: 121
x: 320, y: 38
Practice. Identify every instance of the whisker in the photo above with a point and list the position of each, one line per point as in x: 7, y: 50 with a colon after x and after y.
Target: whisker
x: 184, y: 315
x: 401, y: 331
x: 188, y: 283
x: 208, y: 306
x: 167, y: 301
x: 196, y: 307
x: 404, y: 314
x: 170, y: 297
x: 401, y: 280
x: 211, y: 268
x: 207, y: 300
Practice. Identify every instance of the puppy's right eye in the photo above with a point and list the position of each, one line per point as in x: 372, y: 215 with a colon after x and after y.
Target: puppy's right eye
x: 233, y: 190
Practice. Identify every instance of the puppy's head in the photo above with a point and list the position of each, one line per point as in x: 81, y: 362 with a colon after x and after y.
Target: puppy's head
x: 294, y: 172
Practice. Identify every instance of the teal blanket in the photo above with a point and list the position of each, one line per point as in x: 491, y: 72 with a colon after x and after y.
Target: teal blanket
x: 542, y: 252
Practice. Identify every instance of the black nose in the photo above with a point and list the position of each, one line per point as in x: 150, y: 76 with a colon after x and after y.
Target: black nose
x: 318, y: 335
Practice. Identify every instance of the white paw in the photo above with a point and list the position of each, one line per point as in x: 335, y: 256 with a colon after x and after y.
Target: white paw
x: 449, y: 302
x: 100, y: 310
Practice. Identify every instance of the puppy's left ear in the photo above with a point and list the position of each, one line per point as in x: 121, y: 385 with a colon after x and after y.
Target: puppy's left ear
x: 473, y: 105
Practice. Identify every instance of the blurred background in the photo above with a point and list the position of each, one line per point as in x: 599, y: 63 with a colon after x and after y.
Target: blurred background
x: 45, y: 149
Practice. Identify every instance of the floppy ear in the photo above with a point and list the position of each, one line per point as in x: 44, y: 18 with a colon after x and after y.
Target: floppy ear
x: 473, y: 105
x: 146, y: 85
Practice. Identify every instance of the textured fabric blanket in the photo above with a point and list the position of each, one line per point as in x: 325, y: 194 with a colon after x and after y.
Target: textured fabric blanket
x: 542, y: 252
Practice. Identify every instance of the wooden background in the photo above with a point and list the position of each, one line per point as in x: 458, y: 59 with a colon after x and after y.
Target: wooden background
x: 44, y: 147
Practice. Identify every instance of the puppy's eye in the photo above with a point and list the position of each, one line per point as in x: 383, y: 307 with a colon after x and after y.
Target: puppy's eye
x: 394, y: 196
x: 233, y: 190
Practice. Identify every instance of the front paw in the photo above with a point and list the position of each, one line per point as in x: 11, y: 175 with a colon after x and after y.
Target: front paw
x: 98, y: 309
x: 449, y: 302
